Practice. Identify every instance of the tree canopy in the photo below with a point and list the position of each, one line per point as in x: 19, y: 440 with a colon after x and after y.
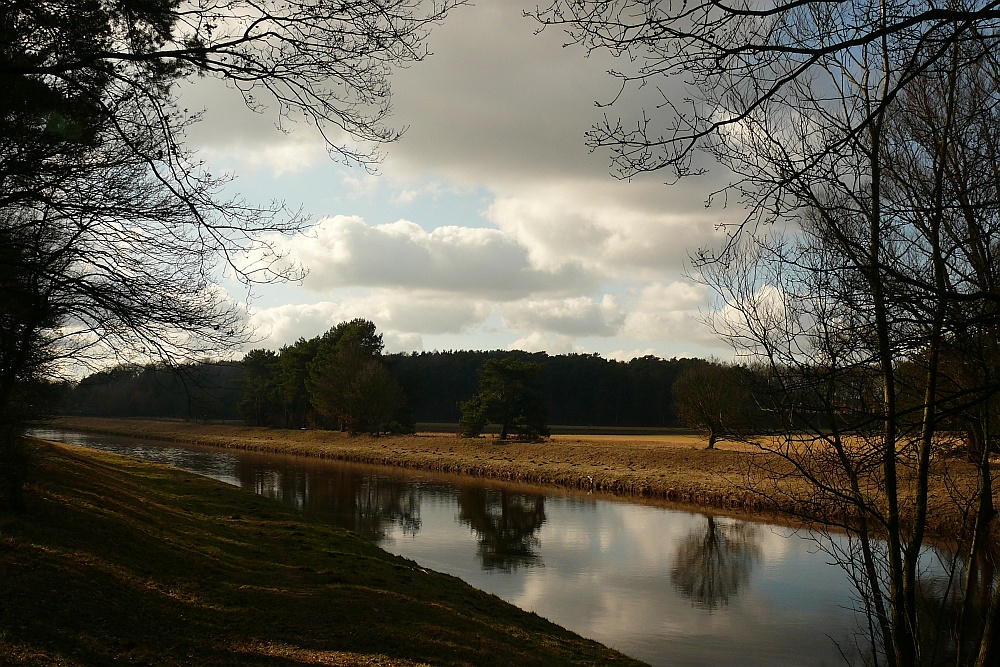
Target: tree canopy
x: 339, y: 380
x: 349, y: 383
x: 507, y: 397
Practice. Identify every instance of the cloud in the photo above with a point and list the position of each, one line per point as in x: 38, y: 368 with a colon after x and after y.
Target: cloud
x: 229, y: 132
x: 658, y: 313
x: 576, y: 316
x: 395, y: 341
x: 628, y: 355
x: 425, y: 314
x: 612, y: 229
x: 283, y: 325
x: 669, y: 312
x: 545, y: 342
x: 500, y: 104
x: 344, y: 251
x: 402, y: 318
x: 494, y: 97
x: 765, y: 311
x: 490, y: 221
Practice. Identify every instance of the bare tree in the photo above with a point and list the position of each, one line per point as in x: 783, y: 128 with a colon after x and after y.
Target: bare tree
x: 870, y: 313
x: 715, y: 398
x: 117, y: 231
x: 325, y: 62
x: 845, y: 125
x: 716, y: 65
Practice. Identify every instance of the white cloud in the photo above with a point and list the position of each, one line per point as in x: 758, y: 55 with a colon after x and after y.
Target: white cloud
x: 344, y: 251
x: 599, y: 226
x: 402, y: 318
x: 359, y: 184
x: 669, y: 312
x: 295, y: 156
x: 576, y: 316
x: 424, y: 313
x: 545, y: 342
x: 765, y: 312
x: 406, y: 196
x: 283, y: 325
x: 628, y: 355
x: 395, y: 341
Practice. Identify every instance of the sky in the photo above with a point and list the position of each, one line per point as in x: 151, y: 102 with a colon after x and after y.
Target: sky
x: 490, y: 224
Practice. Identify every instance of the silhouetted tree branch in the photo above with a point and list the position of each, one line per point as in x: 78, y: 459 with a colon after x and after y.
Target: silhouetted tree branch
x: 121, y: 233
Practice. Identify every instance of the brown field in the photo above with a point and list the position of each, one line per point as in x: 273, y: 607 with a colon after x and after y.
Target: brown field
x: 675, y: 468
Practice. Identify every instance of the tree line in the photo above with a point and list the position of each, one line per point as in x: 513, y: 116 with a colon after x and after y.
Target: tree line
x: 343, y: 379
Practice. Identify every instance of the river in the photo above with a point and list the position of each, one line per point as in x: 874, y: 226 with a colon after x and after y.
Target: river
x: 669, y: 587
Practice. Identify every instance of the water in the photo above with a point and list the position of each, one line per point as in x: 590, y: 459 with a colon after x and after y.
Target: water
x: 666, y: 586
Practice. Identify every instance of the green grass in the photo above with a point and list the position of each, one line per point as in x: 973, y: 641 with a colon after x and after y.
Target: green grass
x: 119, y: 561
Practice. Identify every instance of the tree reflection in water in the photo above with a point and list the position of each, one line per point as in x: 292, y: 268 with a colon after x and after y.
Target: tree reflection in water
x: 955, y: 615
x: 711, y: 565
x: 368, y: 504
x: 506, y: 526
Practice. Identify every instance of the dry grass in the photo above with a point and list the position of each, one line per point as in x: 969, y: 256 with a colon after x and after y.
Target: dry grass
x: 675, y: 468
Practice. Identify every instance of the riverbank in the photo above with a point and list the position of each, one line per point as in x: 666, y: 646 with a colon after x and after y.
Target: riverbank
x: 674, y: 468
x: 117, y: 560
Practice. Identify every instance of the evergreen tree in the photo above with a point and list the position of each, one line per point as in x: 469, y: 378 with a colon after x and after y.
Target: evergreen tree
x: 508, y: 397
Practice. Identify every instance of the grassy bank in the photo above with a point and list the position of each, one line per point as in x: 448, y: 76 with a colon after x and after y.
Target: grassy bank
x: 667, y: 466
x: 670, y: 467
x: 122, y: 561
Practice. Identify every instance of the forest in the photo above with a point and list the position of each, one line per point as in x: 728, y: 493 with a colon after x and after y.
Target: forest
x: 577, y: 389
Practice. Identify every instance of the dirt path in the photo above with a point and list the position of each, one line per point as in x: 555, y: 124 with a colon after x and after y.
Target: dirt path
x: 675, y: 468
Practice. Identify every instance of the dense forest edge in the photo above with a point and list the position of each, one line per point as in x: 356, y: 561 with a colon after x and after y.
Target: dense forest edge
x: 583, y: 390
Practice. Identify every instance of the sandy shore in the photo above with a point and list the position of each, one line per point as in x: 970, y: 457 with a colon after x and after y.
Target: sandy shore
x: 674, y: 468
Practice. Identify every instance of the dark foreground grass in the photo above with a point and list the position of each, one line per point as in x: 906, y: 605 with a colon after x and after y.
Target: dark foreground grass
x: 117, y: 561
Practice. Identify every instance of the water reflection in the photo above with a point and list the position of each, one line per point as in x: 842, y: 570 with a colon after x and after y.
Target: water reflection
x: 711, y: 564
x: 371, y: 505
x: 669, y: 587
x: 956, y: 627
x: 506, y: 525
